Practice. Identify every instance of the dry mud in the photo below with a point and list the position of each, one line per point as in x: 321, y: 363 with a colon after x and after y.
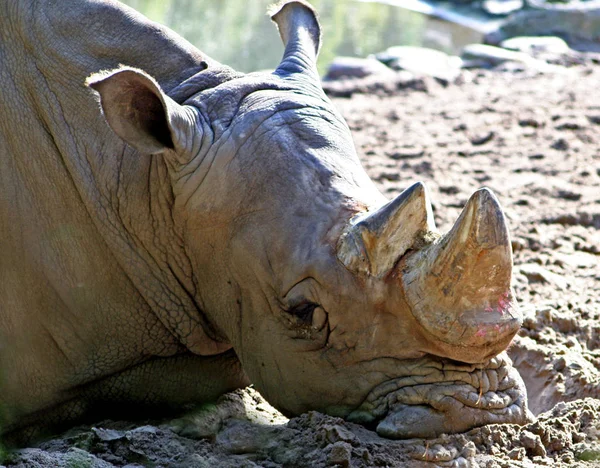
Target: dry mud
x: 534, y: 139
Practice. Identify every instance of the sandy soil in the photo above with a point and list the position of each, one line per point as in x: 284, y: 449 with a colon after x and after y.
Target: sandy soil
x: 535, y: 140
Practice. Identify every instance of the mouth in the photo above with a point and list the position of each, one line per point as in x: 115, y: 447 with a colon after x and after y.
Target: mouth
x: 436, y: 396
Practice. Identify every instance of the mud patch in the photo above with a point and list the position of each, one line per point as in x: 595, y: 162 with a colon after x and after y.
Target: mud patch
x: 570, y: 432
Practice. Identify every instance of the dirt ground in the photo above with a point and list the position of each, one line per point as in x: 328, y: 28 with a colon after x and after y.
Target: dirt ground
x: 534, y: 139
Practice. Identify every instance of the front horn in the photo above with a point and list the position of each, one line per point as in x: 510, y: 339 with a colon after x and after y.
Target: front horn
x: 460, y: 287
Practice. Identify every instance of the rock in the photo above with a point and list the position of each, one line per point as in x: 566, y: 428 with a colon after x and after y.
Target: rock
x: 107, y: 435
x: 76, y: 457
x: 560, y: 144
x: 512, y: 67
x: 475, y: 63
x: 508, y: 60
x: 537, y: 274
x: 333, y: 433
x: 568, y: 195
x: 496, y: 56
x: 407, y: 153
x: 518, y: 245
x: 501, y: 7
x: 208, y: 419
x: 575, y: 21
x: 535, y: 122
x: 422, y: 61
x: 240, y: 437
x: 583, y: 218
x: 577, y: 124
x: 518, y: 453
x: 340, y: 454
x: 533, y: 444
x: 588, y: 453
x: 483, y: 138
x: 352, y: 67
x: 536, y: 45
x: 379, y: 85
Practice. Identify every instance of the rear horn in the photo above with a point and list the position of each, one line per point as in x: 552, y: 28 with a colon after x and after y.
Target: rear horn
x: 373, y: 243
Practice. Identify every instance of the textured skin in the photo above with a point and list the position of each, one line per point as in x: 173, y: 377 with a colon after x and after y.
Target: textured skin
x: 152, y: 277
x: 92, y: 266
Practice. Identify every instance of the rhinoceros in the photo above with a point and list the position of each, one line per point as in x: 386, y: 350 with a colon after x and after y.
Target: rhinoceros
x: 172, y: 229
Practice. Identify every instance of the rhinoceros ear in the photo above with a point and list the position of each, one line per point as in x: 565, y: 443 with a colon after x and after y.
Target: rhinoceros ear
x: 137, y: 110
x: 301, y: 35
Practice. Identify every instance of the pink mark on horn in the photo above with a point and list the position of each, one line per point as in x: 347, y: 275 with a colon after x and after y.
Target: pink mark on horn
x: 504, y: 303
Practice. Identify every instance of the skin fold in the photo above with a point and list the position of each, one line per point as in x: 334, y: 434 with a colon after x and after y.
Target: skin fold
x: 173, y: 229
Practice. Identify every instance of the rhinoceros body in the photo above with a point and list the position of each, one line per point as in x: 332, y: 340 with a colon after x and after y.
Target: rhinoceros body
x: 172, y: 229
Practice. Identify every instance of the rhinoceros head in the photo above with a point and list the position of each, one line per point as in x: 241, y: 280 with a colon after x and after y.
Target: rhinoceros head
x: 333, y: 297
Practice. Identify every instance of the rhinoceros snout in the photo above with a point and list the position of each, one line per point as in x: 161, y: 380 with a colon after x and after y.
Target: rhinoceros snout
x: 458, y: 285
x: 442, y: 396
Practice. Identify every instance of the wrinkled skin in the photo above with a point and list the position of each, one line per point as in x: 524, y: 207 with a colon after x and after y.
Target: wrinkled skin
x: 171, y: 278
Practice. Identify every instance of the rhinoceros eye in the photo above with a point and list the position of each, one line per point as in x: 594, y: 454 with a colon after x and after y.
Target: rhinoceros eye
x: 304, y: 311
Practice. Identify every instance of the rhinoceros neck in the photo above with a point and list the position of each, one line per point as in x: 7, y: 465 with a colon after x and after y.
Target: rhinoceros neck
x: 89, y: 233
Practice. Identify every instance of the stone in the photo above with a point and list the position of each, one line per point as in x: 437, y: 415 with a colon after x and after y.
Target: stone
x: 536, y: 45
x: 533, y: 444
x: 517, y: 453
x: 501, y: 7
x: 483, y: 138
x: 560, y: 144
x: 575, y: 21
x: 537, y: 274
x: 333, y: 433
x: 494, y: 55
x: 241, y: 437
x: 422, y: 61
x: 588, y: 453
x: 340, y: 454
x: 353, y: 67
x: 107, y: 435
x: 207, y: 420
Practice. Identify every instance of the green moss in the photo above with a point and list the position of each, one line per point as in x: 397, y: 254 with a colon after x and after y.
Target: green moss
x: 591, y: 454
x: 79, y: 459
x: 5, y: 454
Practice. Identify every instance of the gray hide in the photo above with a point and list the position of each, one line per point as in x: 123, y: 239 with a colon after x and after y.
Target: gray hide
x: 236, y: 228
x: 92, y: 265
